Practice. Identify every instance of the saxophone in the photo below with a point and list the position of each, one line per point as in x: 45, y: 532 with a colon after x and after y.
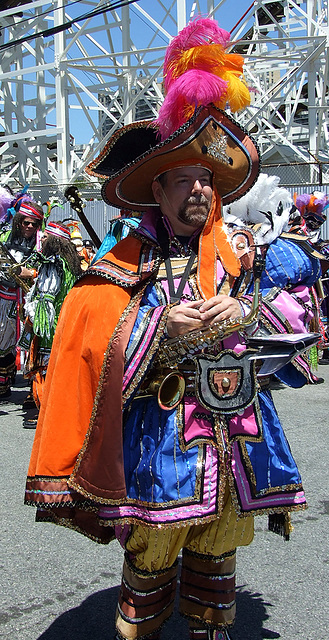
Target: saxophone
x: 169, y: 383
x: 13, y: 268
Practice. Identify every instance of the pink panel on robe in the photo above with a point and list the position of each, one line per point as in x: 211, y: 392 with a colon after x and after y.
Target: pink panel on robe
x: 244, y: 424
x: 196, y: 427
x: 294, y: 312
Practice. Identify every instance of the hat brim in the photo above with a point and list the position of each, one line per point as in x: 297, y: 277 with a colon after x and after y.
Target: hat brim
x: 211, y: 139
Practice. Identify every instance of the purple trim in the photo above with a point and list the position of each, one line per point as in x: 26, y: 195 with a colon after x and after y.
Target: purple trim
x: 162, y: 515
x: 111, y: 271
x: 275, y: 322
x: 144, y: 346
x: 122, y: 532
x: 271, y: 500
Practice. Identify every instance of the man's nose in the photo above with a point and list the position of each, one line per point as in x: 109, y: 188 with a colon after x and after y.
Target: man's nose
x: 197, y: 187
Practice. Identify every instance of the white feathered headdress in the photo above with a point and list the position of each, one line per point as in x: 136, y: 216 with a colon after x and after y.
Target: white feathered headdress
x: 266, y: 208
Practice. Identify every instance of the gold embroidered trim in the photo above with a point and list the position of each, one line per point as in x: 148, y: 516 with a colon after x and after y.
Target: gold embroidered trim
x: 259, y: 420
x: 262, y: 511
x: 299, y: 367
x: 155, y: 525
x: 221, y: 433
x: 92, y: 167
x: 66, y: 522
x: 184, y: 446
x: 277, y: 314
x: 148, y: 357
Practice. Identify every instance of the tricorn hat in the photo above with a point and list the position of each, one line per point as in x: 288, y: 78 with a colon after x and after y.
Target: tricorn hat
x: 192, y: 129
x: 201, y: 78
x: 134, y: 157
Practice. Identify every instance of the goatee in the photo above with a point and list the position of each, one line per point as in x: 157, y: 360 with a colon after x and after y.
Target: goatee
x: 194, y: 211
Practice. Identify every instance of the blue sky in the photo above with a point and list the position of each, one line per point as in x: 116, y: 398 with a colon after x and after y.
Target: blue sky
x: 143, y: 33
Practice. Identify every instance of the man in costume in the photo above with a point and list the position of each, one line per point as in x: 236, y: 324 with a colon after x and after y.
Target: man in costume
x: 312, y: 208
x: 59, y: 267
x: 173, y: 444
x: 19, y: 238
x: 120, y: 227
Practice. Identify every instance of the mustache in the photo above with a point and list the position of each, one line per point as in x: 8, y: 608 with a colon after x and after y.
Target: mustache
x: 201, y: 199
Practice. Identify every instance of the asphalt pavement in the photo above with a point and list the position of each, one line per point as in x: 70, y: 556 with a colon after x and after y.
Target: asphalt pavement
x: 58, y: 585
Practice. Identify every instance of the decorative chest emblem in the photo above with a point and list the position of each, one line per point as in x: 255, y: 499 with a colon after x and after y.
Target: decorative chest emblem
x: 226, y: 383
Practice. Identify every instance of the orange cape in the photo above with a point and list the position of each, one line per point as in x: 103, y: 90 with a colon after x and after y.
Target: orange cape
x: 76, y: 461
x: 88, y: 338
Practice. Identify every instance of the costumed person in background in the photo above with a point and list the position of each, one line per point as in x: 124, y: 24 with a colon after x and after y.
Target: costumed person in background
x: 76, y: 239
x: 178, y: 463
x: 19, y: 236
x: 312, y: 209
x: 59, y: 267
x: 269, y: 210
x: 119, y: 229
x: 89, y: 249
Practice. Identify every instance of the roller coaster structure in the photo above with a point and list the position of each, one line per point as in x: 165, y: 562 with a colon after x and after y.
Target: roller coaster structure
x: 72, y: 72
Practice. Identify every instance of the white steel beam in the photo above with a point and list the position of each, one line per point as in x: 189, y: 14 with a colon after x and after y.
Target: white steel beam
x: 62, y: 96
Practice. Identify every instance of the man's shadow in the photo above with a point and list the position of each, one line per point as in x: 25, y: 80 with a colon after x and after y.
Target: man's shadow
x: 94, y: 619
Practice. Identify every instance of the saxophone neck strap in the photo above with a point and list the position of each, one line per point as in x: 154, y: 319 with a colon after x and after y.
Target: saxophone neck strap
x: 163, y: 240
x: 175, y: 295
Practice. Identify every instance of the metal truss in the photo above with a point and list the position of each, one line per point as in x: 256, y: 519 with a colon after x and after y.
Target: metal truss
x: 72, y: 72
x: 286, y: 64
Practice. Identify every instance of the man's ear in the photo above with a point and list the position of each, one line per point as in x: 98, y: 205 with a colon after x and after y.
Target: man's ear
x: 157, y: 191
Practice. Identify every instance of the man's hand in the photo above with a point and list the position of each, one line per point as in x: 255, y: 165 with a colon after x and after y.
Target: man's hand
x: 26, y: 273
x: 186, y: 317
x: 219, y: 308
x: 183, y: 318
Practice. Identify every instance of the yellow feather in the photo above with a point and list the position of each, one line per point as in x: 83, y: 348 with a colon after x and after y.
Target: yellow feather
x: 237, y: 94
x: 206, y: 57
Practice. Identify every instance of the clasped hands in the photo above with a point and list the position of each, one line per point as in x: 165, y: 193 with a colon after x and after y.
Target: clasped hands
x: 188, y: 316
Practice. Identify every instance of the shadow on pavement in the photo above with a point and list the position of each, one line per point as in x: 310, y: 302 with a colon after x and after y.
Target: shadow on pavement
x: 251, y: 614
x: 94, y: 620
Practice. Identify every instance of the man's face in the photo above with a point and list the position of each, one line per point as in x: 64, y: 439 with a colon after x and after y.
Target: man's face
x: 184, y: 197
x: 29, y: 227
x: 44, y: 239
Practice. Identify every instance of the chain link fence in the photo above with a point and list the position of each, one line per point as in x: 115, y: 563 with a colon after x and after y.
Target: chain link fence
x: 297, y: 177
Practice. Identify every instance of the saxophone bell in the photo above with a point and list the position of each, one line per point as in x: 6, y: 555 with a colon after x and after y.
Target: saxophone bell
x: 169, y: 388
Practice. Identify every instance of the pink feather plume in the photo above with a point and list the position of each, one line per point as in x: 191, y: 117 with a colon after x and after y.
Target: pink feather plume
x: 198, y: 72
x: 201, y: 31
x: 195, y: 87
